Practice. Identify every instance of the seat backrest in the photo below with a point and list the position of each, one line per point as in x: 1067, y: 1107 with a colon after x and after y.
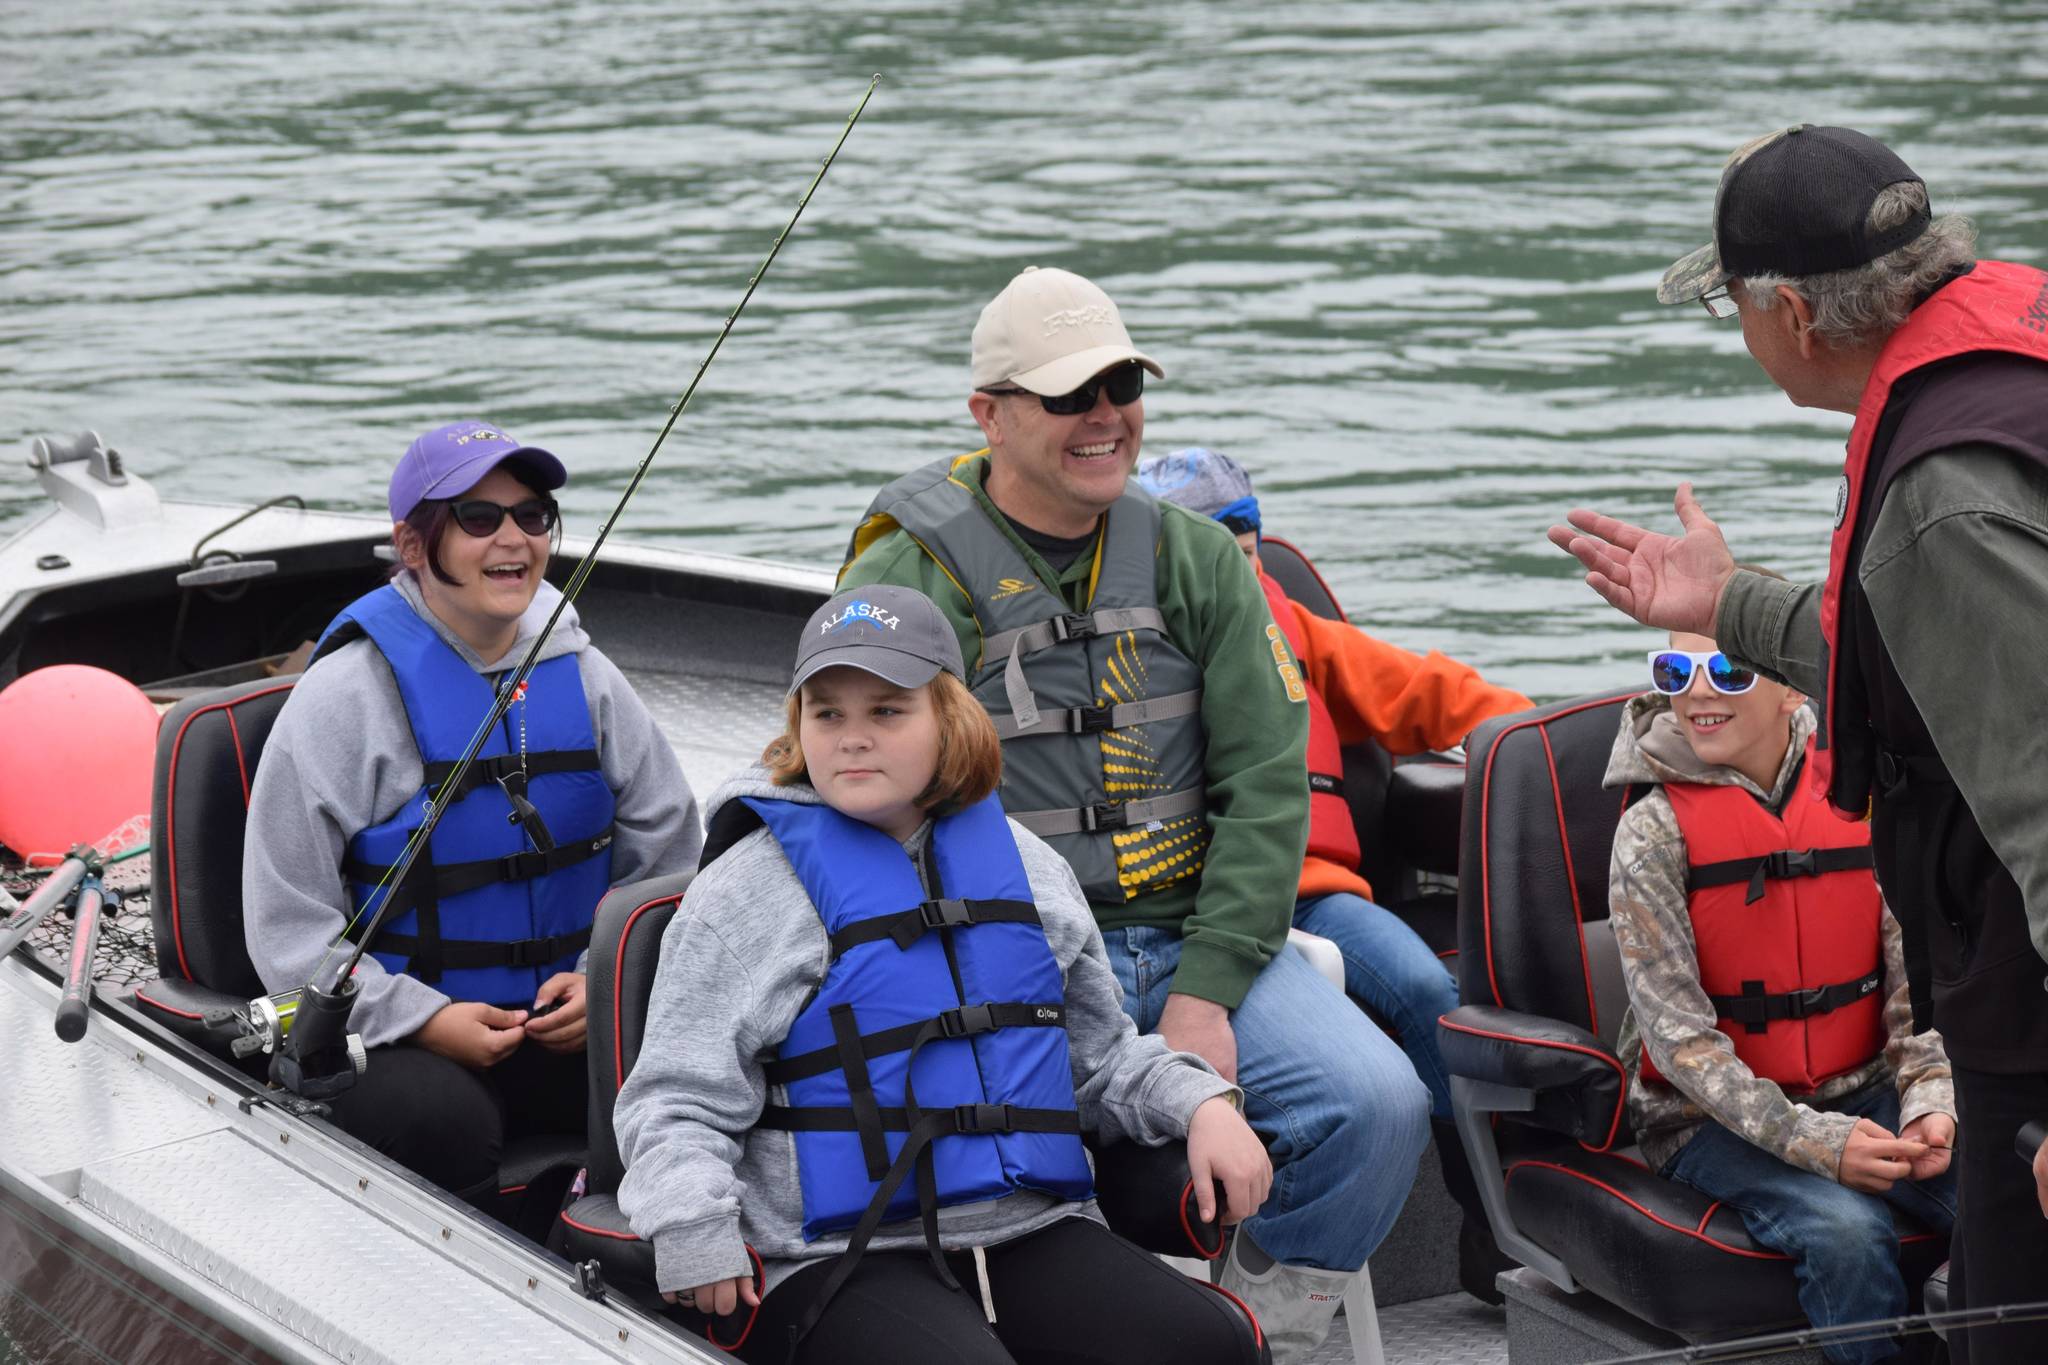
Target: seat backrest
x: 1532, y: 881
x: 206, y: 754
x: 625, y: 949
x: 1297, y: 577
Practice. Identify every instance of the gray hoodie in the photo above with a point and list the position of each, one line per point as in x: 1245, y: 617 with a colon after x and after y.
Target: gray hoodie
x: 1669, y: 1012
x: 341, y: 758
x: 742, y: 958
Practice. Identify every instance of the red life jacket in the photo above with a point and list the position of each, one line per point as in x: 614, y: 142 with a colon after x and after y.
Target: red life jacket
x: 1331, y: 835
x: 1787, y: 922
x: 1998, y: 306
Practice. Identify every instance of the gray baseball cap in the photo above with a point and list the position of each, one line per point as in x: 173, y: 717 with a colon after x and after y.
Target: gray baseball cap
x: 895, y: 633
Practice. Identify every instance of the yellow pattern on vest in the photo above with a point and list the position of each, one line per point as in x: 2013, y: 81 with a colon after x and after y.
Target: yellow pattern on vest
x: 1162, y: 853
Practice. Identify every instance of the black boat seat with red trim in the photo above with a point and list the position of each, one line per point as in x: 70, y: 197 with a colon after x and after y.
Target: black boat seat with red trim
x: 208, y: 748
x: 1534, y: 1044
x: 1144, y: 1192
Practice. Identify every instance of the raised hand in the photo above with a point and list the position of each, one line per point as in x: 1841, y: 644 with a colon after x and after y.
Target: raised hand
x: 1672, y: 582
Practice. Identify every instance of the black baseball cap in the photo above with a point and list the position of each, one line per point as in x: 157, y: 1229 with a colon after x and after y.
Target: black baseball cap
x: 1798, y: 203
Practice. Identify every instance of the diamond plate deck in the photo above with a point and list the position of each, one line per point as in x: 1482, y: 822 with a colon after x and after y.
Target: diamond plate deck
x: 717, y: 726
x: 348, y: 1284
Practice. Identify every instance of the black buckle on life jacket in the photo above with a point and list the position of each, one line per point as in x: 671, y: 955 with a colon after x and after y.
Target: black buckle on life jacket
x: 968, y: 1019
x: 1108, y: 815
x: 981, y: 1118
x: 519, y: 867
x: 1073, y: 626
x: 1794, y: 863
x: 943, y: 914
x: 1092, y: 720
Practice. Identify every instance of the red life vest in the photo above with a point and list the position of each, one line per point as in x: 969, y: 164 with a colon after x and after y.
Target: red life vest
x: 1998, y: 306
x: 1331, y: 834
x: 1787, y: 922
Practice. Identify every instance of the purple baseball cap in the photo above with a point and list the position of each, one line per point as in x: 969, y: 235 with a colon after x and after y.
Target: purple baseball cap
x: 450, y: 460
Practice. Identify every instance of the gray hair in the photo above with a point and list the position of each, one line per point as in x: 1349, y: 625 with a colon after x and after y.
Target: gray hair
x: 1864, y: 304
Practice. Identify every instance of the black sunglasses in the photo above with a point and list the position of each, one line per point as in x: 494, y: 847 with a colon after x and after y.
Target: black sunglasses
x: 1124, y: 384
x: 482, y: 517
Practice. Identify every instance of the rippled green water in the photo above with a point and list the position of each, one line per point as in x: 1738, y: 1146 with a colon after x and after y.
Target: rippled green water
x: 1395, y: 257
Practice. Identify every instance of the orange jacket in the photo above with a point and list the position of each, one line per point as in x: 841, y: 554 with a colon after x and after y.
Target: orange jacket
x: 1407, y: 703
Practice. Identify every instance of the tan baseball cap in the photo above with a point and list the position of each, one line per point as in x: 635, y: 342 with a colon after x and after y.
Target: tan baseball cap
x: 1050, y: 331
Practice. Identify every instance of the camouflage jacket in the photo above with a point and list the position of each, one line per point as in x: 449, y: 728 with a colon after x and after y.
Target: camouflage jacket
x: 1668, y: 1008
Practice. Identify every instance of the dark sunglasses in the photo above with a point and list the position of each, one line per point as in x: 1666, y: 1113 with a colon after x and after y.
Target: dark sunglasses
x: 1124, y: 384
x: 482, y: 517
x: 1671, y: 672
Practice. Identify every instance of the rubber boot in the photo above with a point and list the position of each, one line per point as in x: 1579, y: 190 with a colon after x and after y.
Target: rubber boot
x: 1293, y: 1303
x: 1479, y: 1258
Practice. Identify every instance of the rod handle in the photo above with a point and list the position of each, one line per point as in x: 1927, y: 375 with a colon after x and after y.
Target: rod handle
x: 74, y: 1010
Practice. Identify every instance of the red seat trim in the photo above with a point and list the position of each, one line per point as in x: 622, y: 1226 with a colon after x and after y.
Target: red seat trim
x: 167, y: 1009
x: 599, y: 1232
x: 1693, y: 1233
x: 1571, y: 875
x: 618, y: 970
x: 760, y: 1281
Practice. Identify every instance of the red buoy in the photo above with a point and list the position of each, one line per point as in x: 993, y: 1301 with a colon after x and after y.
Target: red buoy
x: 77, y: 745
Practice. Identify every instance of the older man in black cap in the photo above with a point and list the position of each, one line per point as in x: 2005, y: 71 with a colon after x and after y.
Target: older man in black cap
x: 1928, y: 642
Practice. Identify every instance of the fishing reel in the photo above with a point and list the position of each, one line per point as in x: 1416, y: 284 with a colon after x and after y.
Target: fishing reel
x: 312, y: 1053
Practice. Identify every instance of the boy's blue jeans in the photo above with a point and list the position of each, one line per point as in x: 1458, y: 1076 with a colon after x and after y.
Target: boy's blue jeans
x: 1338, y: 1106
x: 1842, y: 1243
x: 1390, y: 968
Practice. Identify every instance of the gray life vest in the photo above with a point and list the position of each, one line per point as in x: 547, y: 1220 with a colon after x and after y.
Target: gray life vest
x: 1099, y: 711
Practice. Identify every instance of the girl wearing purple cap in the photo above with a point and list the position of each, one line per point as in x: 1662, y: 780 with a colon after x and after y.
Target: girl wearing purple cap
x: 472, y: 996
x: 883, y: 1001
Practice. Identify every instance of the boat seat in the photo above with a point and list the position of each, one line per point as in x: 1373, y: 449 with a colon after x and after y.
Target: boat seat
x: 1533, y: 1045
x: 1144, y: 1192
x: 208, y: 747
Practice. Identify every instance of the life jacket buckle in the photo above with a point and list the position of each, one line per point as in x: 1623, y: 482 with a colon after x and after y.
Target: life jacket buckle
x: 1108, y: 815
x: 968, y: 1019
x: 1072, y: 626
x: 944, y: 914
x: 981, y: 1118
x: 1093, y: 720
x: 1795, y: 863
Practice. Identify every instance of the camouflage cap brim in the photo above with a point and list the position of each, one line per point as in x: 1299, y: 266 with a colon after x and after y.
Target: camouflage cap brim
x: 1693, y: 276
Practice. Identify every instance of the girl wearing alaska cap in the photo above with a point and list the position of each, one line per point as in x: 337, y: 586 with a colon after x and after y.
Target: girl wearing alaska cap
x: 472, y: 994
x: 882, y: 1019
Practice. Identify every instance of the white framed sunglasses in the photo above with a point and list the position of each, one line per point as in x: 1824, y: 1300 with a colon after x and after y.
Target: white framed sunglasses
x: 1671, y: 671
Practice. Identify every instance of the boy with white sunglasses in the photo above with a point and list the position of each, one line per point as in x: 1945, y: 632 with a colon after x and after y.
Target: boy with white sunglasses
x: 1769, y: 1039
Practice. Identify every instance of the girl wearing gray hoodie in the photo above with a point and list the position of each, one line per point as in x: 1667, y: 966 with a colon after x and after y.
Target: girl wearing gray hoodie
x: 886, y: 770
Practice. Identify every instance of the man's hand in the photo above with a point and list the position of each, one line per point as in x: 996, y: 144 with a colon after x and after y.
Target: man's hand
x: 1222, y: 1146
x: 720, y: 1298
x: 1874, y: 1160
x: 562, y: 1030
x: 478, y: 1036
x: 1192, y: 1024
x: 1937, y: 1132
x: 1667, y: 581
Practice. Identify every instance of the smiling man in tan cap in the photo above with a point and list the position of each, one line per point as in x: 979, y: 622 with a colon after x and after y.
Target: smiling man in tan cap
x: 1154, y: 732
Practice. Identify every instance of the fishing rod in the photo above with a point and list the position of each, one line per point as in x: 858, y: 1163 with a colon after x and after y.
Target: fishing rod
x: 306, y: 1029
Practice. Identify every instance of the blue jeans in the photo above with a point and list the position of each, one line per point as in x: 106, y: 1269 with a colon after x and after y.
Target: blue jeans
x: 1844, y: 1249
x: 1388, y: 967
x: 1337, y: 1104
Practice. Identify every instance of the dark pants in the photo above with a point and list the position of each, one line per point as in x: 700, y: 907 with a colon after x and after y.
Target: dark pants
x: 2000, y: 1254
x: 449, y: 1124
x: 1068, y: 1294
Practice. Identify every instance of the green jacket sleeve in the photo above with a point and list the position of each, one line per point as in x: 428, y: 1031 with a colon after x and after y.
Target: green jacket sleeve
x: 1254, y: 708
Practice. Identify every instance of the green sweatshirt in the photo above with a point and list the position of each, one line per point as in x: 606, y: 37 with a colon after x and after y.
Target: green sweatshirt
x: 1236, y: 915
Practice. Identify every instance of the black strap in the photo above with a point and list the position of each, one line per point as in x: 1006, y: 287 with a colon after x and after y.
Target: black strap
x: 427, y: 954
x: 1896, y: 771
x: 460, y: 953
x: 485, y: 771
x: 847, y: 1054
x: 955, y: 1023
x: 908, y: 926
x: 1327, y: 784
x: 1785, y: 863
x: 961, y: 1119
x: 453, y: 879
x: 1756, y: 1011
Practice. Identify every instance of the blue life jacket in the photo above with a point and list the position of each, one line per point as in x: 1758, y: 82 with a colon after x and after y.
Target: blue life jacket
x: 504, y: 894
x: 938, y: 1040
